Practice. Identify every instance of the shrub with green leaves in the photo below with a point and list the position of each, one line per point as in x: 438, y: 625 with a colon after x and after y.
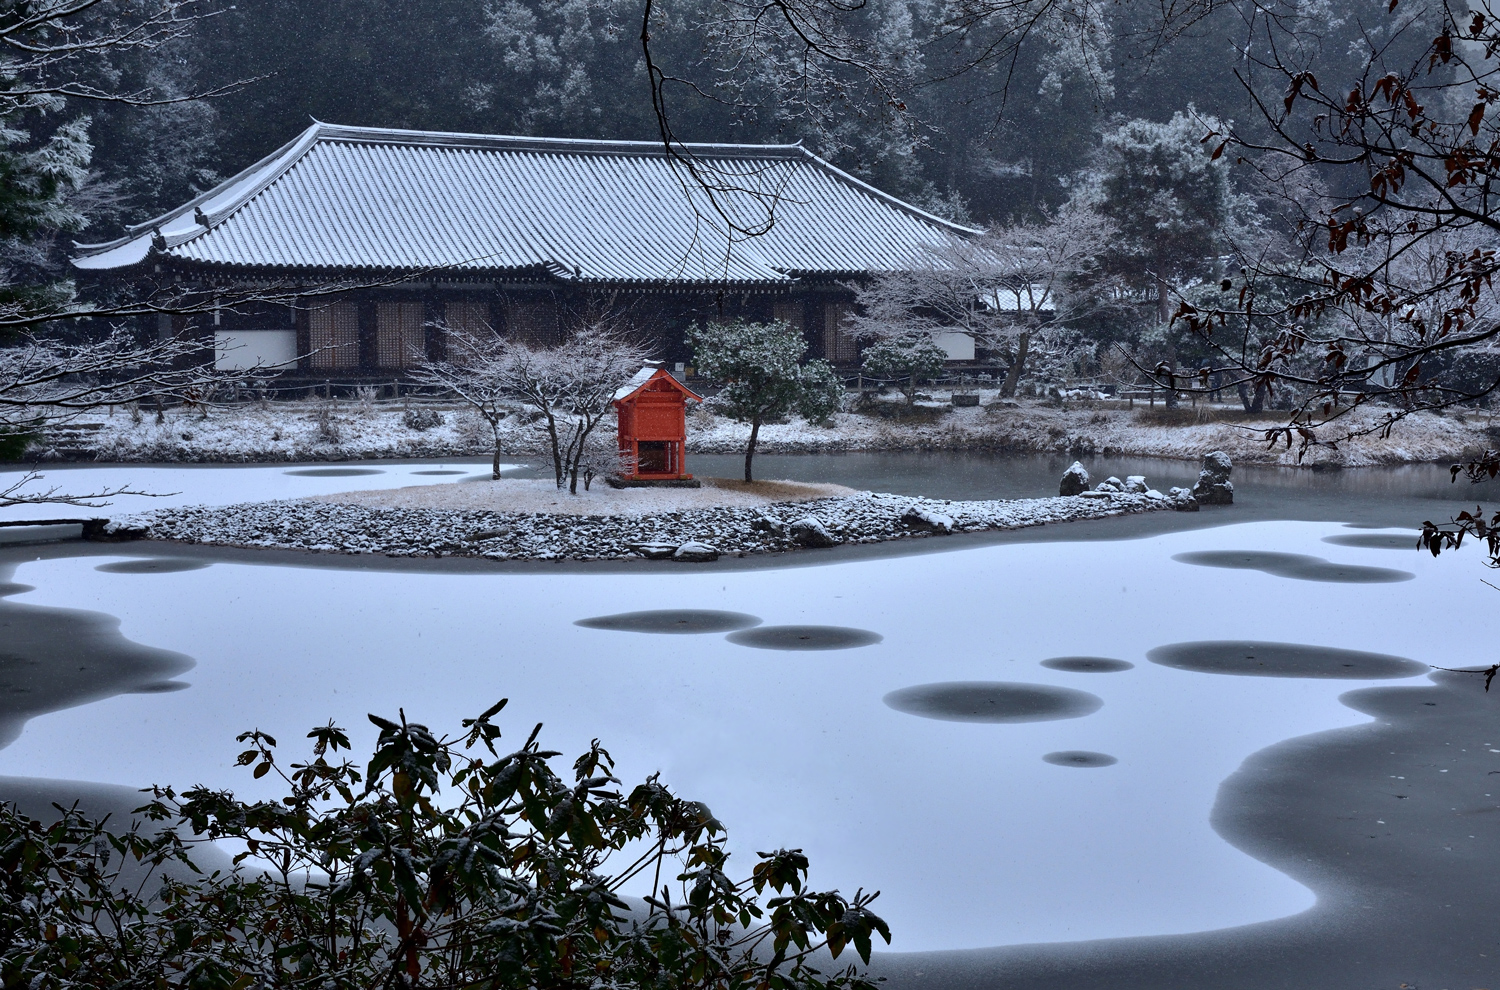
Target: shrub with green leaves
x: 763, y: 376
x: 908, y: 360
x: 442, y: 864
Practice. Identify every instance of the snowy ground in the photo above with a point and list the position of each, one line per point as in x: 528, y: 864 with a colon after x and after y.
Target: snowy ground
x: 971, y: 836
x: 172, y: 486
x: 542, y: 495
x: 295, y: 431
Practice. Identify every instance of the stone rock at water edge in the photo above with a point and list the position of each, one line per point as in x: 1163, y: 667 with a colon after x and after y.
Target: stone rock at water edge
x: 933, y: 522
x: 809, y: 531
x: 694, y: 552
x: 1075, y: 480
x: 1213, y: 486
x: 1182, y: 499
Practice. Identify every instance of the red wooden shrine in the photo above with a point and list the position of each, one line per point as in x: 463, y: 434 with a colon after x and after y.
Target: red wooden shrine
x: 653, y: 426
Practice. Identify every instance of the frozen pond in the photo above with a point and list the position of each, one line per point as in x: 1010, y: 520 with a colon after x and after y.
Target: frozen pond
x: 222, y: 484
x: 1016, y: 742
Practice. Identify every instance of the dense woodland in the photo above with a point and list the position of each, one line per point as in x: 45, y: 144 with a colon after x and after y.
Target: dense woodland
x: 987, y: 143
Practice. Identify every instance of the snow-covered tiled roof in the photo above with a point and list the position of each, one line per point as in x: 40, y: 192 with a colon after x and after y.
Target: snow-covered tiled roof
x: 342, y: 198
x: 641, y: 378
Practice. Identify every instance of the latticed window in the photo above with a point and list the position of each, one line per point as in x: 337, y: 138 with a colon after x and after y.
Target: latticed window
x: 534, y: 321
x: 470, y: 316
x: 399, y: 340
x: 789, y: 311
x: 464, y: 319
x: 333, y: 335
x: 839, y: 345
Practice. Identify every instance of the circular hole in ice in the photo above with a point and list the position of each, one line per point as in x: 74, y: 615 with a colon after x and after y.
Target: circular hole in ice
x: 347, y: 472
x: 672, y: 620
x: 992, y: 701
x: 1258, y: 659
x: 153, y: 565
x: 160, y: 687
x: 1088, y: 665
x: 1299, y: 567
x: 440, y: 472
x: 805, y: 638
x: 1080, y: 758
x: 1374, y: 541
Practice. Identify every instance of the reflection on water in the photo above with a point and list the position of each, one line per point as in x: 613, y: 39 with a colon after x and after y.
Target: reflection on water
x: 338, y: 472
x: 1088, y: 665
x: 1297, y: 566
x: 804, y: 638
x: 55, y: 658
x: 1282, y: 660
x: 993, y: 701
x: 1080, y: 758
x: 154, y: 565
x: 679, y: 620
x: 1374, y: 541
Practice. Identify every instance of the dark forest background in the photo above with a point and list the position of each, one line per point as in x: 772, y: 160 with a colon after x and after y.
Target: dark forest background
x: 991, y: 144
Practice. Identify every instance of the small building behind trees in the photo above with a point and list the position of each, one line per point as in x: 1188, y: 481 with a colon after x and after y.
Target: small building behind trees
x: 652, y: 409
x: 417, y: 231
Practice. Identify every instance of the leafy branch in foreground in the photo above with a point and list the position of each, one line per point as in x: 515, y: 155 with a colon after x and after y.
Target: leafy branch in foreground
x: 441, y: 864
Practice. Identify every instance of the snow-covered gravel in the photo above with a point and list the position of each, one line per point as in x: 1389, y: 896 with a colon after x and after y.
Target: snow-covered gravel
x: 516, y: 495
x: 864, y: 517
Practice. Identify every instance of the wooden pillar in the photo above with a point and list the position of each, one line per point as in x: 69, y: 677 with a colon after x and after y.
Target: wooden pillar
x: 301, y: 317
x: 369, y: 317
x: 433, y: 309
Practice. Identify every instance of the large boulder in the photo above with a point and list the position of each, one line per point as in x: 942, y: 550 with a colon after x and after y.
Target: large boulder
x: 1182, y: 500
x: 933, y: 522
x: 1135, y: 484
x: 655, y: 550
x: 767, y: 523
x: 809, y: 531
x: 1214, y: 486
x: 1110, y: 484
x: 1075, y: 480
x: 695, y: 552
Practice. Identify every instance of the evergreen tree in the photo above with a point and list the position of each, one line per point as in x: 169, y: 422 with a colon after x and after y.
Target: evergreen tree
x: 759, y: 366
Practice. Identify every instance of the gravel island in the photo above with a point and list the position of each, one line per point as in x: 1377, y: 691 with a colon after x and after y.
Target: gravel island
x: 517, y: 520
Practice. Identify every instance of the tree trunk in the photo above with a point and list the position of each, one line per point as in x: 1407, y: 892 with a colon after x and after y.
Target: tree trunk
x: 581, y: 435
x: 750, y: 449
x: 1171, y: 385
x: 1017, y: 367
x: 1244, y: 391
x: 557, y: 457
x: 495, y: 464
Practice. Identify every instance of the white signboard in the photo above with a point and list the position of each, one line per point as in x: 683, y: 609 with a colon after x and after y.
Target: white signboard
x: 958, y: 346
x: 245, y: 349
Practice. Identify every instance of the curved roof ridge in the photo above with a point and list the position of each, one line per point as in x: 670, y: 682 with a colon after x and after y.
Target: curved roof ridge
x: 290, y: 152
x: 524, y: 142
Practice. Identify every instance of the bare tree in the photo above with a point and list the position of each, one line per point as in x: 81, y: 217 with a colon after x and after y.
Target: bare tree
x: 44, y: 384
x: 476, y: 373
x: 1001, y: 290
x: 572, y: 386
x: 1394, y: 281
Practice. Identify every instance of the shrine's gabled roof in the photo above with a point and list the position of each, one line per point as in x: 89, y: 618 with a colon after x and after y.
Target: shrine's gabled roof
x: 650, y: 374
x: 359, y: 199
